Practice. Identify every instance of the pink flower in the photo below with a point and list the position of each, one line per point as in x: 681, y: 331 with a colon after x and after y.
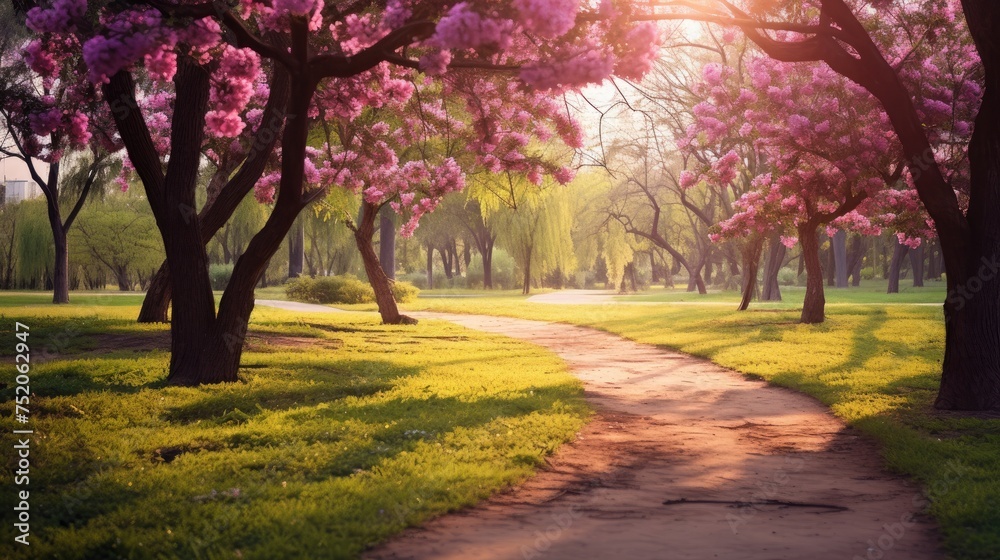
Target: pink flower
x: 548, y: 19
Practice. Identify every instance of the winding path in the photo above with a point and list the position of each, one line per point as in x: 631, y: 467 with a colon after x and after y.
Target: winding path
x: 684, y: 460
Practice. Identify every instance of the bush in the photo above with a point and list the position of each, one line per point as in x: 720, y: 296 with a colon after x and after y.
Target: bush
x: 300, y: 289
x: 868, y: 273
x: 219, y: 275
x: 787, y: 276
x: 404, y: 291
x: 416, y: 279
x: 330, y: 289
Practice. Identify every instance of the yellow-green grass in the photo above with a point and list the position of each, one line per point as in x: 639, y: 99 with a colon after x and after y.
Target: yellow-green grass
x: 877, y: 367
x: 869, y: 292
x: 330, y: 442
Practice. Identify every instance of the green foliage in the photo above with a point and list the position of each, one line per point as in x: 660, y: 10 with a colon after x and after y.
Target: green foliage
x: 537, y: 232
x: 868, y: 273
x: 300, y: 289
x: 404, y: 292
x: 417, y: 279
x: 118, y: 234
x: 504, y: 271
x: 787, y: 276
x: 36, y: 250
x: 219, y: 275
x: 340, y: 434
x: 330, y: 289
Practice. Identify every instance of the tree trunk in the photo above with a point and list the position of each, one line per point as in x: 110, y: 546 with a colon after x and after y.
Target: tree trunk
x: 751, y: 263
x: 156, y: 304
x: 296, y: 249
x: 831, y: 265
x: 430, y: 267
x: 855, y: 258
x: 222, y: 203
x: 971, y: 371
x: 897, y: 262
x: 379, y: 280
x: 695, y: 280
x: 60, y: 274
x: 932, y: 261
x: 123, y: 280
x: 839, y: 246
x: 487, y: 256
x: 772, y: 266
x: 387, y: 242
x: 446, y: 260
x: 917, y: 266
x: 813, y: 308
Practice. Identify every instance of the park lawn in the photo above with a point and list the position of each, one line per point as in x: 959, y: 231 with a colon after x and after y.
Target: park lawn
x: 870, y: 292
x: 341, y: 433
x: 875, y: 366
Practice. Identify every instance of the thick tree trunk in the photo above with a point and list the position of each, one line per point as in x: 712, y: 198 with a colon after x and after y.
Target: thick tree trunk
x: 772, y: 266
x: 971, y: 371
x: 855, y: 258
x: 839, y: 245
x: 813, y: 307
x: 222, y: 203
x: 751, y: 264
x: 60, y: 273
x: 379, y: 280
x: 156, y: 304
x: 194, y: 303
x: 917, y: 266
x: 387, y: 242
x: 898, y: 254
x: 296, y: 249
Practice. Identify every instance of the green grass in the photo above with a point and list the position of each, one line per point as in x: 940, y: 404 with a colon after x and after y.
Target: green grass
x: 875, y: 366
x: 870, y: 292
x: 322, y: 449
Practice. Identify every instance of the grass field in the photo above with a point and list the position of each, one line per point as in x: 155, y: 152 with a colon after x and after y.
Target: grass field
x: 874, y: 363
x: 870, y: 292
x: 875, y: 366
x: 342, y: 432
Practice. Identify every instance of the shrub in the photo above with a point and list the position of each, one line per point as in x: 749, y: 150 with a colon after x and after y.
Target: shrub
x: 416, y: 279
x: 330, y: 289
x: 219, y: 275
x: 787, y: 276
x: 868, y: 273
x: 300, y: 289
x: 404, y: 291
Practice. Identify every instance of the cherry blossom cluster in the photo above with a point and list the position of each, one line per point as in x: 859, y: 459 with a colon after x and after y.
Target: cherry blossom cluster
x: 817, y: 140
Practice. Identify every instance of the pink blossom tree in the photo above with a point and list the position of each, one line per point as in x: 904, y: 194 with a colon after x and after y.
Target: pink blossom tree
x: 336, y: 56
x: 832, y: 158
x: 849, y: 37
x: 50, y: 120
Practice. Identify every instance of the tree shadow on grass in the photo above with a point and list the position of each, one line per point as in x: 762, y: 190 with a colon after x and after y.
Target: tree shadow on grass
x: 310, y: 385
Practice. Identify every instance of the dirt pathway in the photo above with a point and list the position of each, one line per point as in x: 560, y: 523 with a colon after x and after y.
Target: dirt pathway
x: 748, y: 471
